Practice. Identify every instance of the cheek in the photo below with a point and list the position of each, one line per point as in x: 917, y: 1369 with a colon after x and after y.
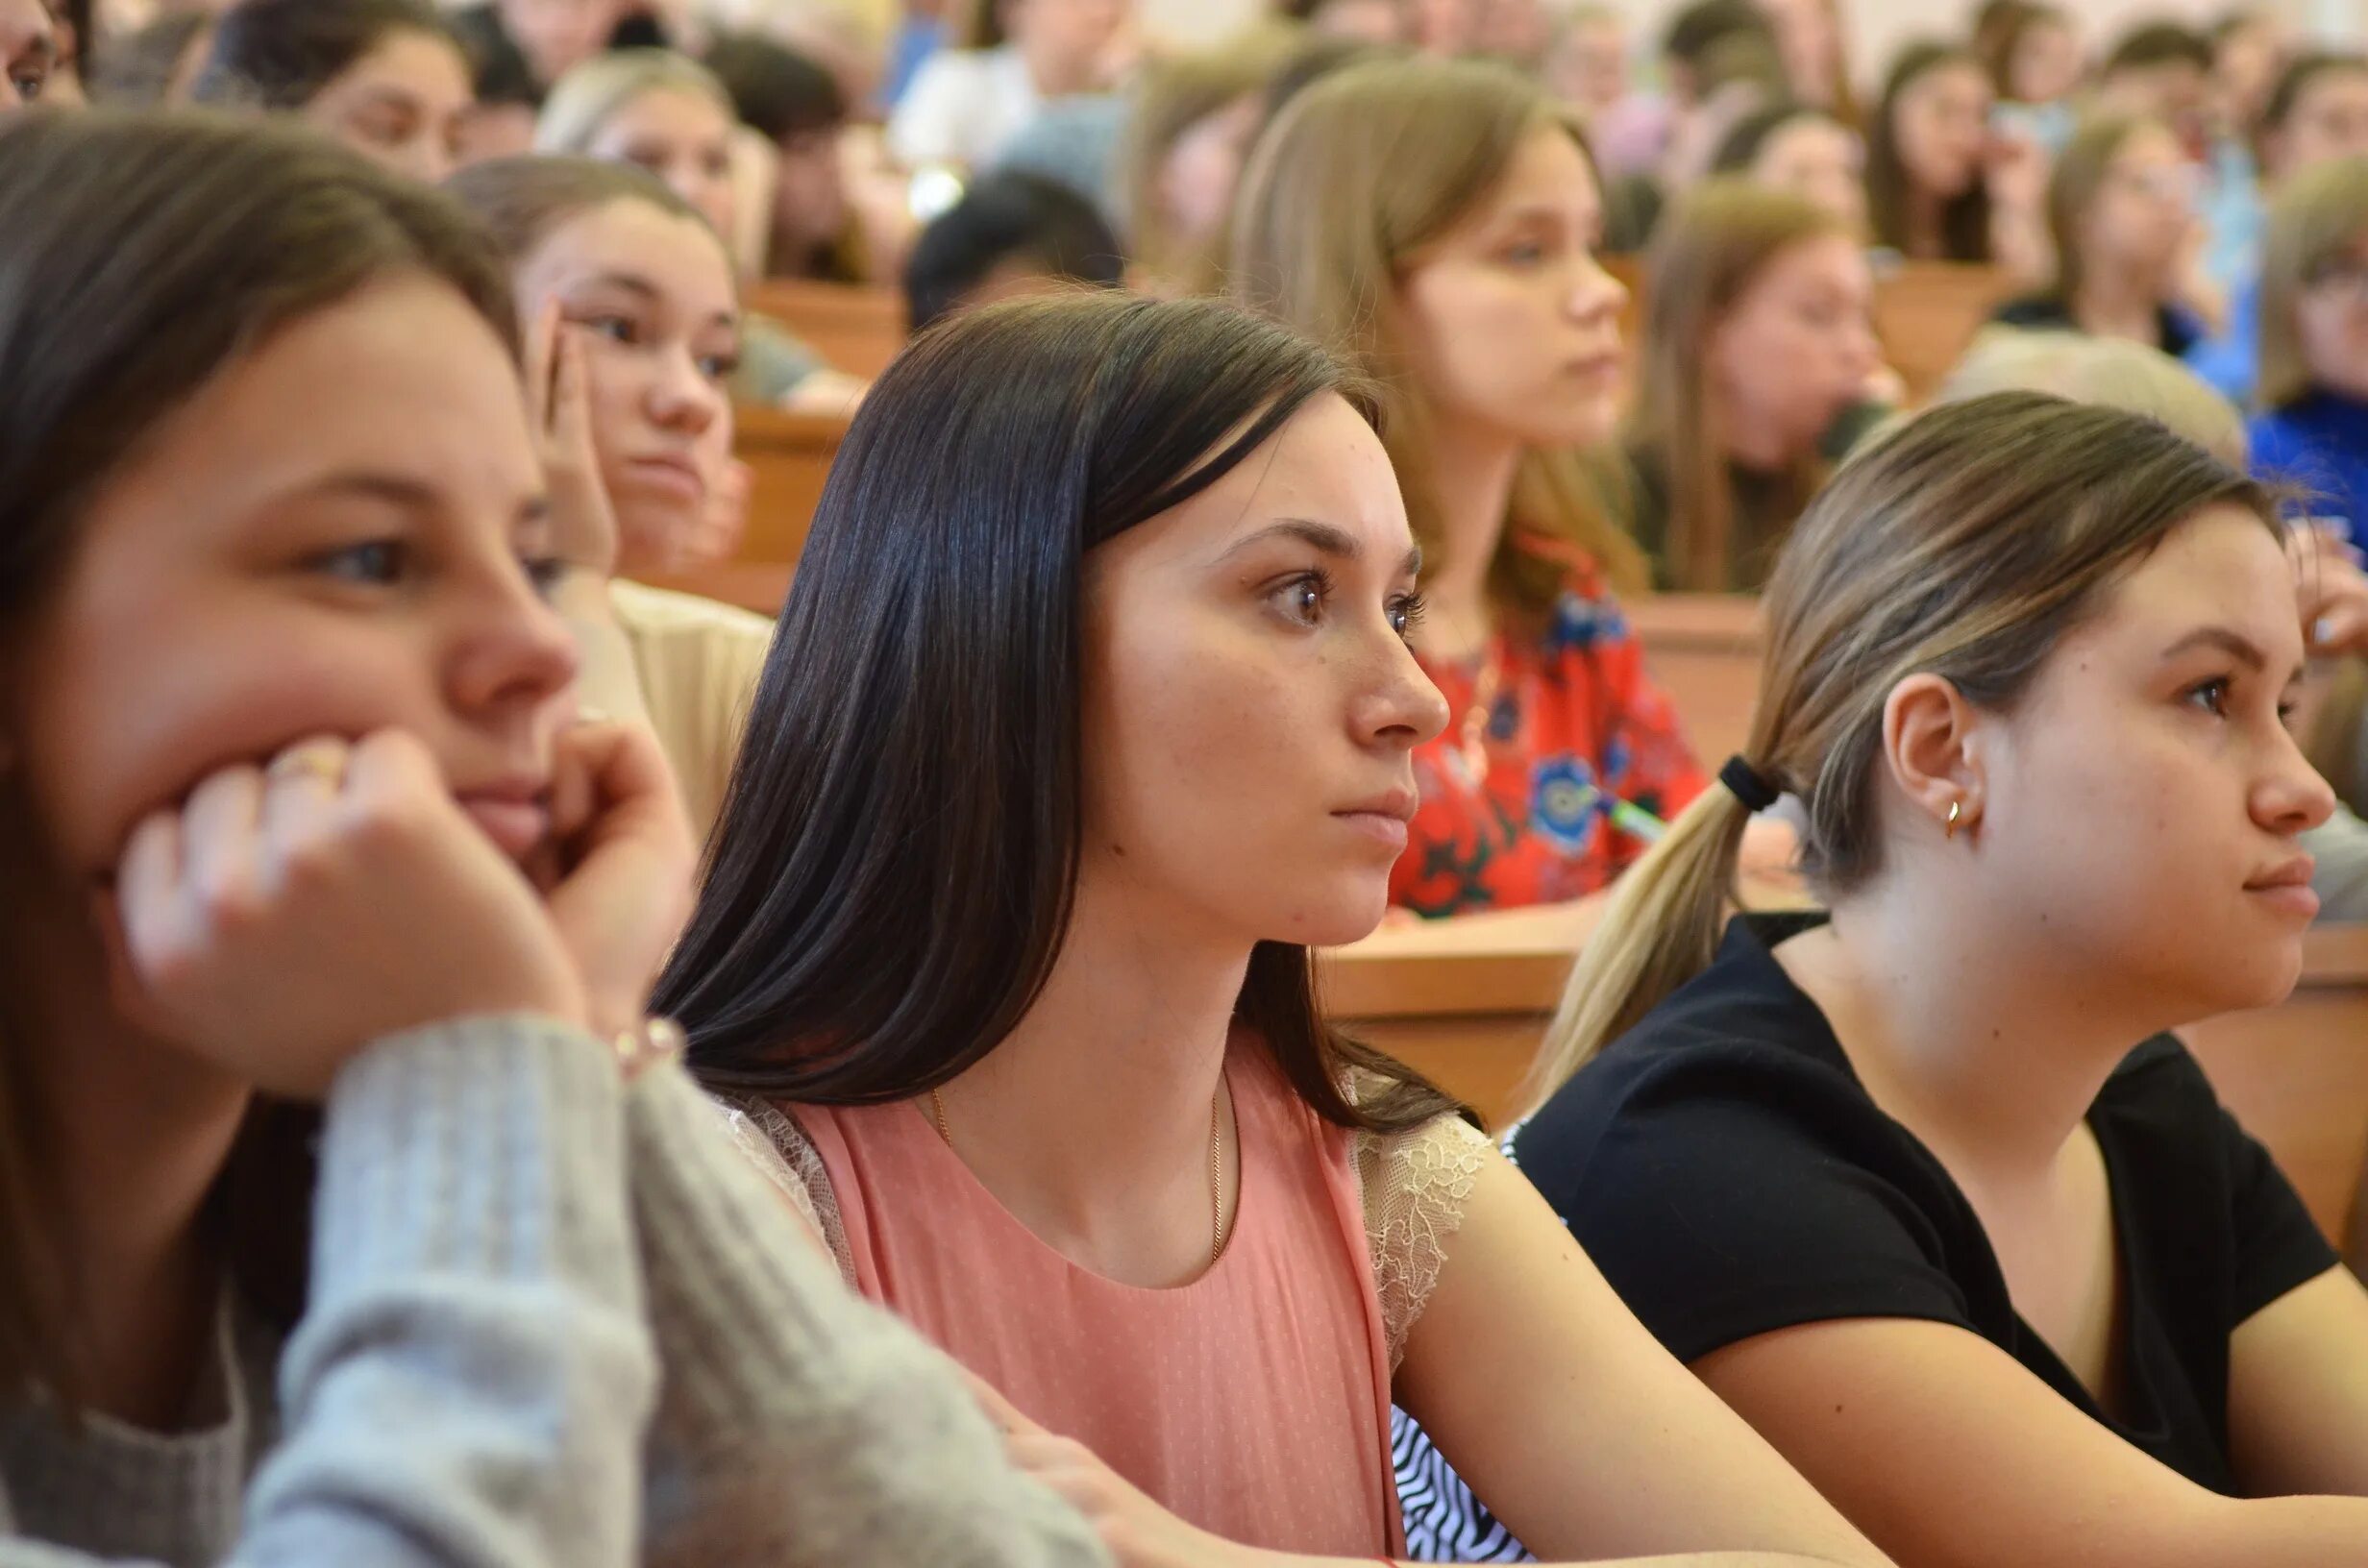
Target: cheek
x: 120, y: 731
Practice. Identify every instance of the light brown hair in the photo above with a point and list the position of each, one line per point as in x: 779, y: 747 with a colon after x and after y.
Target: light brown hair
x: 1965, y: 544
x: 1171, y: 97
x: 2319, y: 215
x: 1706, y: 256
x: 2078, y: 177
x: 1357, y: 174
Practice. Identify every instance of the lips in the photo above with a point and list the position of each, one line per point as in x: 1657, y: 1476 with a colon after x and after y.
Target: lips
x: 515, y: 816
x: 2287, y: 887
x: 678, y: 475
x: 1384, y: 818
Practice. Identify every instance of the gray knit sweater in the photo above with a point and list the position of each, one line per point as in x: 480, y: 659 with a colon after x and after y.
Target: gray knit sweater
x: 556, y: 1320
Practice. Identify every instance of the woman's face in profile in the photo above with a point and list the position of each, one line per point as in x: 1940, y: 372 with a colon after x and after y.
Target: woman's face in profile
x: 2141, y: 800
x: 1250, y: 703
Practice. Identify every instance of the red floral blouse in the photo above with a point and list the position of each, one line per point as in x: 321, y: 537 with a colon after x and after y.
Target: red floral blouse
x: 1547, y: 734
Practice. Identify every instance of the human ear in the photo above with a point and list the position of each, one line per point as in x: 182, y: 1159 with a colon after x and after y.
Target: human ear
x: 1931, y: 748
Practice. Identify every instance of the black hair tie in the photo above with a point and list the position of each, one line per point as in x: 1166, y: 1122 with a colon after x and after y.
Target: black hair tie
x: 1748, y: 785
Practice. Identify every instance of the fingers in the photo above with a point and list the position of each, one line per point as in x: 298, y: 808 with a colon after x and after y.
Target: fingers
x: 221, y: 827
x: 542, y: 348
x: 570, y: 421
x: 147, y: 884
x: 630, y: 784
x: 1000, y: 1411
x: 300, y: 804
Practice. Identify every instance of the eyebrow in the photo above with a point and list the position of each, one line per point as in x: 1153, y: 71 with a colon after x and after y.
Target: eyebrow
x: 1326, y: 537
x: 2237, y: 646
x: 404, y: 494
x: 641, y: 288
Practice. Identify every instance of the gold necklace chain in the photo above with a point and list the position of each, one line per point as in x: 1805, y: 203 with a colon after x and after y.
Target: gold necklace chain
x: 1217, y: 1167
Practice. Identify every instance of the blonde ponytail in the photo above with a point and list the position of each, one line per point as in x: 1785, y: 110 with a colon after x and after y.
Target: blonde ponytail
x: 1658, y: 931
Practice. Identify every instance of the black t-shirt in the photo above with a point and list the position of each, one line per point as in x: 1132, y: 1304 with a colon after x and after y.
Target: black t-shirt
x: 2176, y: 331
x: 1723, y: 1166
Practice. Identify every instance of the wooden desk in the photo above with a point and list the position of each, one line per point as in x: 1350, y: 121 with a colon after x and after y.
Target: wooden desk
x: 855, y: 328
x: 1703, y: 649
x: 1467, y: 1001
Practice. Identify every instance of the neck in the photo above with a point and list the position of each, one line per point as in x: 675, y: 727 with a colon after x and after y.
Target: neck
x: 1122, y: 1053
x: 1055, y: 77
x: 2118, y: 303
x: 1968, y: 1028
x: 135, y: 1133
x: 1924, y: 213
x: 1471, y: 475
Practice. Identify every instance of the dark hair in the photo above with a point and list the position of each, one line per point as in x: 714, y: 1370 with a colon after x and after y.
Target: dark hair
x: 1694, y: 29
x: 893, y: 874
x: 778, y: 92
x: 2159, y: 43
x: 140, y: 254
x: 135, y: 70
x: 501, y: 79
x: 1002, y: 218
x: 1964, y: 223
x: 279, y: 54
x: 2073, y: 188
x: 1740, y: 147
x: 2285, y: 95
x: 520, y: 200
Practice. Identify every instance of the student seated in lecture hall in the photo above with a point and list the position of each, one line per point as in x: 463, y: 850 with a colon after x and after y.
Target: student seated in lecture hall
x: 2121, y: 217
x: 667, y: 114
x: 507, y: 1293
x: 1757, y: 366
x: 1941, y: 187
x: 386, y: 77
x: 1011, y: 234
x: 627, y: 298
x: 1133, y: 722
x: 1920, y: 1185
x: 1463, y: 200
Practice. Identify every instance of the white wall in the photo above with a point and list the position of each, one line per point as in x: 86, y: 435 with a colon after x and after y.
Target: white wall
x: 1876, y: 28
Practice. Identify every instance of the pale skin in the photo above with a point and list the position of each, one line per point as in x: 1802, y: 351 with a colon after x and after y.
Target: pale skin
x: 1513, y: 335
x: 404, y: 105
x: 1987, y: 1032
x: 1250, y: 708
x: 354, y: 582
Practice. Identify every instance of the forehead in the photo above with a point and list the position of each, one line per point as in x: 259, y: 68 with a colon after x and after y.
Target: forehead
x: 23, y: 24
x: 2220, y: 567
x: 2148, y: 144
x: 1324, y: 465
x: 425, y: 393
x: 1952, y: 82
x: 1547, y: 170
x: 667, y: 111
x: 679, y: 257
x: 1808, y: 136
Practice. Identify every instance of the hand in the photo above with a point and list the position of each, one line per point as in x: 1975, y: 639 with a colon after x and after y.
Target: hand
x: 583, y: 525
x: 2014, y: 168
x: 725, y: 519
x: 617, y: 874
x: 1138, y: 1532
x: 2332, y: 589
x: 284, y: 917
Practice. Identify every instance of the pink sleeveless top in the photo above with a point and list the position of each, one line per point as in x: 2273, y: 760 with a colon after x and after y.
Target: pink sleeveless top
x: 1253, y: 1401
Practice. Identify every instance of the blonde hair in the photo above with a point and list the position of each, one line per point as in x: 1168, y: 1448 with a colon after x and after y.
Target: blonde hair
x: 1705, y: 258
x: 1964, y: 544
x: 589, y: 96
x: 2113, y: 371
x: 1358, y: 172
x: 1171, y: 98
x: 2321, y: 212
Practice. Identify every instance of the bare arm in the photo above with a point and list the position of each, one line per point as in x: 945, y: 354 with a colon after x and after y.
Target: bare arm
x: 2298, y: 1391
x: 1575, y: 1425
x: 1950, y: 1455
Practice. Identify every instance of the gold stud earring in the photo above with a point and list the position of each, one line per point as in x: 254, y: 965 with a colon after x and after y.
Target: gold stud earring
x: 1957, y: 810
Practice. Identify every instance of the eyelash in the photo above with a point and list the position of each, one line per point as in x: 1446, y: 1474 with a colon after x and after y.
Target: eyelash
x: 2218, y: 708
x: 1405, y: 610
x: 544, y: 572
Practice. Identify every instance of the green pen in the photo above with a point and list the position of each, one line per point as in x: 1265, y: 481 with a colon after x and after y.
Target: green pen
x: 1637, y: 822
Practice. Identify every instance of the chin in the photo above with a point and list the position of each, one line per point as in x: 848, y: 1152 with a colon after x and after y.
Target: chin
x: 1349, y: 915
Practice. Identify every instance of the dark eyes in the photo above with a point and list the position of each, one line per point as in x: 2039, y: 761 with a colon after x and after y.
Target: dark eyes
x: 1305, y: 598
x: 2213, y: 697
x: 375, y: 562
